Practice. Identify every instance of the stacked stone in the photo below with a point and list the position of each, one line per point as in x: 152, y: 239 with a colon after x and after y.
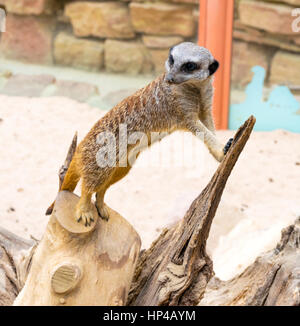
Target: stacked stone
x: 267, y: 34
x: 29, y: 30
x: 133, y: 36
x: 118, y: 36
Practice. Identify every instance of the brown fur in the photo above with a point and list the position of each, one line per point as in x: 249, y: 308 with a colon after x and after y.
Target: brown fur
x: 158, y: 107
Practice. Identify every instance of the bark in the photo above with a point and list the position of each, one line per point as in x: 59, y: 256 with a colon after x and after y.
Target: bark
x: 15, y: 258
x: 176, y: 268
x: 272, y: 280
x: 77, y: 265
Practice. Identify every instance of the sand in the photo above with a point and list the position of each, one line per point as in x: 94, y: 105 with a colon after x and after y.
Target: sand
x: 261, y: 196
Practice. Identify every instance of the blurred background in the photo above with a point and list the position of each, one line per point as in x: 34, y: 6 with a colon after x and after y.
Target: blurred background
x: 63, y: 64
x: 133, y: 38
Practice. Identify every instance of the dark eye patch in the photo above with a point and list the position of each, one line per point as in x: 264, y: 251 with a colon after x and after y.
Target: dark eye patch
x: 189, y: 67
x: 171, y: 60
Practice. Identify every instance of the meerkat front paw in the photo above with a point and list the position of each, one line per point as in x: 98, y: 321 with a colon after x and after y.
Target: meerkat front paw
x: 219, y: 156
x: 103, y: 212
x: 227, y: 146
x: 217, y: 152
x: 84, y: 215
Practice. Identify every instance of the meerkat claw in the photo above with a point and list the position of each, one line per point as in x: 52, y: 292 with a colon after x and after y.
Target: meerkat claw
x: 85, y: 217
x: 103, y: 216
x: 228, y: 145
x: 98, y: 211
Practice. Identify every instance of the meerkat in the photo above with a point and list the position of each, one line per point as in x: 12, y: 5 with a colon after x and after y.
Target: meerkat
x: 179, y: 99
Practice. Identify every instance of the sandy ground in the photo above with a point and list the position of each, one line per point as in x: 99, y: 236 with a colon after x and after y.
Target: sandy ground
x: 261, y: 197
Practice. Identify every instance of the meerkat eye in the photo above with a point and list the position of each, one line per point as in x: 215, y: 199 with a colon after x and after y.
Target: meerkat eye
x: 171, y: 60
x: 189, y: 66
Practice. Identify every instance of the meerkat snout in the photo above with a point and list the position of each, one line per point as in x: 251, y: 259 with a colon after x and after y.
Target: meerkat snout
x: 188, y: 61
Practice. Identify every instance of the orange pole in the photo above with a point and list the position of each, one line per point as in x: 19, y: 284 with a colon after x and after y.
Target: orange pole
x: 215, y: 33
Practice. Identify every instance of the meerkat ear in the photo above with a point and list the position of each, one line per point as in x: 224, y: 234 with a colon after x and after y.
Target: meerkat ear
x: 213, y: 67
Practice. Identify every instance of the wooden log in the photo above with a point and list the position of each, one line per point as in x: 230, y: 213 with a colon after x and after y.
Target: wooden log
x: 15, y: 259
x: 272, y: 280
x: 176, y: 268
x: 78, y: 265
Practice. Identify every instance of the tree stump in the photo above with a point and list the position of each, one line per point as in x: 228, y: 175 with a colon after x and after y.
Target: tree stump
x: 78, y: 265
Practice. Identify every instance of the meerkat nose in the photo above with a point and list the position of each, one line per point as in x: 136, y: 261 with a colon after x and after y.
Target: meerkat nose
x: 169, y: 78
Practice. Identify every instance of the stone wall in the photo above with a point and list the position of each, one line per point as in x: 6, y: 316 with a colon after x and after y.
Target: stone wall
x: 263, y: 35
x: 117, y: 36
x: 134, y: 36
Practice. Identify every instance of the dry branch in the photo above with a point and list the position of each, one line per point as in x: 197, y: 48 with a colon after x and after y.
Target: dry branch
x: 176, y: 268
x: 64, y: 168
x: 272, y: 280
x: 15, y: 258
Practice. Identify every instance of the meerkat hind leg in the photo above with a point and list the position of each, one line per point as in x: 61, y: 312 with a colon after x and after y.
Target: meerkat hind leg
x: 102, y: 210
x: 117, y: 175
x: 84, y: 208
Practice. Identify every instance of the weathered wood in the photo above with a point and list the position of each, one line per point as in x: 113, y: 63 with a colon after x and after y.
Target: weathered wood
x: 176, y: 268
x: 85, y: 267
x: 79, y: 266
x: 15, y: 258
x: 64, y: 168
x: 272, y: 280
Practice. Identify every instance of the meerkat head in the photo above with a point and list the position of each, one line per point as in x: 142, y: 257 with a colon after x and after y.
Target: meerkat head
x: 189, y: 62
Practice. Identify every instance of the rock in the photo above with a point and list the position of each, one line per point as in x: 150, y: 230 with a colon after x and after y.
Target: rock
x: 163, y: 19
x: 244, y: 57
x: 274, y: 18
x: 285, y: 69
x: 297, y: 40
x: 291, y: 2
x: 126, y: 57
x: 194, y: 2
x: 282, y: 42
x: 28, y: 39
x: 101, y: 19
x: 80, y: 53
x: 30, y: 7
x: 159, y: 58
x: 5, y: 73
x: 161, y: 42
x: 196, y: 15
x: 27, y: 85
x: 77, y: 91
x: 115, y: 97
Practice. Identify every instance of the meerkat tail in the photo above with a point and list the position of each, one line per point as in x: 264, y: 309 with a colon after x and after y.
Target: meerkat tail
x: 70, y: 181
x: 72, y: 176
